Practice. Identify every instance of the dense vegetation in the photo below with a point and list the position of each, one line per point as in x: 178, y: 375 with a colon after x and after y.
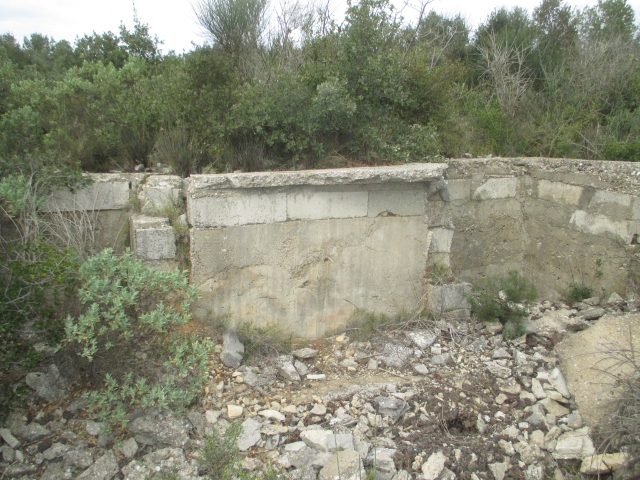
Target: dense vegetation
x: 300, y: 90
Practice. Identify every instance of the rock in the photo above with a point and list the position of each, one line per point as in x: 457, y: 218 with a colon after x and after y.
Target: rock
x: 79, y: 458
x: 559, y: 383
x: 105, y: 468
x: 529, y: 453
x: 232, y: 349
x: 344, y: 465
x: 349, y: 363
x: 395, y: 356
x: 318, y: 409
x: 320, y: 377
x: 498, y: 370
x: 301, y: 367
x: 402, y: 475
x: 592, y: 313
x: 250, y: 434
x: 442, y: 359
x: 500, y: 353
x: 327, y: 441
x: 574, y: 421
x: 55, y: 451
x: 212, y: 416
x: 287, y: 370
x: 272, y: 415
x: 8, y: 453
x: 8, y: 438
x: 534, y: 472
x: 576, y: 444
x: 537, y: 438
x: 507, y: 447
x: 420, y: 369
x: 615, y: 300
x: 93, y: 428
x: 510, y: 386
x: 493, y: 328
x: 422, y: 338
x: 304, y: 353
x: 161, y: 428
x: 234, y: 411
x: 447, y: 474
x: 536, y: 389
x: 391, y: 407
x: 373, y: 364
x: 553, y: 407
x: 604, y: 463
x: 499, y: 470
x: 527, y: 397
x: 129, y: 447
x: 32, y: 432
x: 19, y: 470
x: 382, y: 460
x: 432, y: 468
x: 48, y: 385
x: 501, y: 398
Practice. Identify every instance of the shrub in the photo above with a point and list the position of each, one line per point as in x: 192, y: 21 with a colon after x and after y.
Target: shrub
x: 578, y: 292
x: 504, y: 300
x: 124, y: 327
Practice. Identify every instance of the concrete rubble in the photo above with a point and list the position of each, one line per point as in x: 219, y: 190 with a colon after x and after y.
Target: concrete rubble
x: 494, y: 409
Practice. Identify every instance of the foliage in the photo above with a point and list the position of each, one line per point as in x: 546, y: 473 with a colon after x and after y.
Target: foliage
x: 120, y: 294
x: 504, y: 299
x: 578, y: 292
x: 264, y: 341
x: 220, y: 454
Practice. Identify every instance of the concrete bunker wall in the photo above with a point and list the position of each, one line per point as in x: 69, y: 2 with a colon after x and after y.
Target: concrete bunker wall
x: 557, y: 221
x: 305, y: 249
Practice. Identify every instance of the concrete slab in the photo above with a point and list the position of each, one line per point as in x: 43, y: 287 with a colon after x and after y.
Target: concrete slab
x: 495, y: 188
x: 404, y: 200
x: 160, y: 191
x: 559, y: 192
x: 152, y: 238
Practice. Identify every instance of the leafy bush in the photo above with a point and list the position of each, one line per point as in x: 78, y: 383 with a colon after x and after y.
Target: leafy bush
x: 578, y: 292
x: 504, y: 300
x: 123, y: 334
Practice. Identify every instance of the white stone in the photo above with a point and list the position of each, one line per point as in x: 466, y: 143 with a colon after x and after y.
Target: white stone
x: 234, y: 411
x: 272, y: 415
x: 432, y: 468
x: 498, y: 470
x: 536, y: 389
x: 250, y: 434
x: 558, y: 381
x: 326, y: 441
x: 317, y: 376
x: 575, y: 444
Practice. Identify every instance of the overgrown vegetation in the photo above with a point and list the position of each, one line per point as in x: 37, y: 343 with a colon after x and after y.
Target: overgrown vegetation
x: 578, y: 292
x: 288, y: 86
x: 504, y: 299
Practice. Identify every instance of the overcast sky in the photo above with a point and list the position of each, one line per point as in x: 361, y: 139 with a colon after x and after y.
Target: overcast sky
x: 173, y: 21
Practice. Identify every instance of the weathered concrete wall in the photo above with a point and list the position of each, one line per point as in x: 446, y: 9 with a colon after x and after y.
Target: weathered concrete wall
x: 304, y: 249
x: 557, y: 221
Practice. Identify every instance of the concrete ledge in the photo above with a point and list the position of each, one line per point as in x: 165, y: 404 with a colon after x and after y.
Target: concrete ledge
x: 305, y: 203
x: 201, y: 185
x: 107, y: 192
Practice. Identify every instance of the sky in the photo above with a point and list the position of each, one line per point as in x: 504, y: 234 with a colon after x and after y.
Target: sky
x: 173, y: 21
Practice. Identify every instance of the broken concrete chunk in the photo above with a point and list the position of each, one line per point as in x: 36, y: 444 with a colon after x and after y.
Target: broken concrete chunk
x: 600, y: 464
x: 232, y: 349
x: 432, y: 468
x: 304, y: 353
x: 48, y: 385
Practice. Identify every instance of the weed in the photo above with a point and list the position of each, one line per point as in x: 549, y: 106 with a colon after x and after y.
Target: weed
x: 364, y: 324
x: 439, y: 274
x: 578, y: 292
x: 504, y: 300
x: 220, y: 454
x: 621, y: 430
x: 264, y: 341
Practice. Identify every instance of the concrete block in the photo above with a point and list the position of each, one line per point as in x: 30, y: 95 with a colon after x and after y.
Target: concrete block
x: 636, y: 209
x: 596, y: 224
x: 448, y: 297
x: 401, y: 202
x: 497, y: 188
x: 160, y: 191
x: 152, y: 238
x: 441, y: 239
x: 459, y: 189
x: 601, y: 197
x: 559, y: 192
x: 107, y: 192
x: 309, y: 203
x: 225, y: 208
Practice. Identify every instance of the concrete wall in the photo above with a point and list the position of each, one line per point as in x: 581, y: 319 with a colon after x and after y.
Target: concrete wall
x: 305, y: 249
x: 557, y: 221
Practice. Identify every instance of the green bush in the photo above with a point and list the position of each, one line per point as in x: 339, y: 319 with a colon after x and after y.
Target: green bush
x: 578, y: 292
x: 504, y: 300
x: 124, y: 334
